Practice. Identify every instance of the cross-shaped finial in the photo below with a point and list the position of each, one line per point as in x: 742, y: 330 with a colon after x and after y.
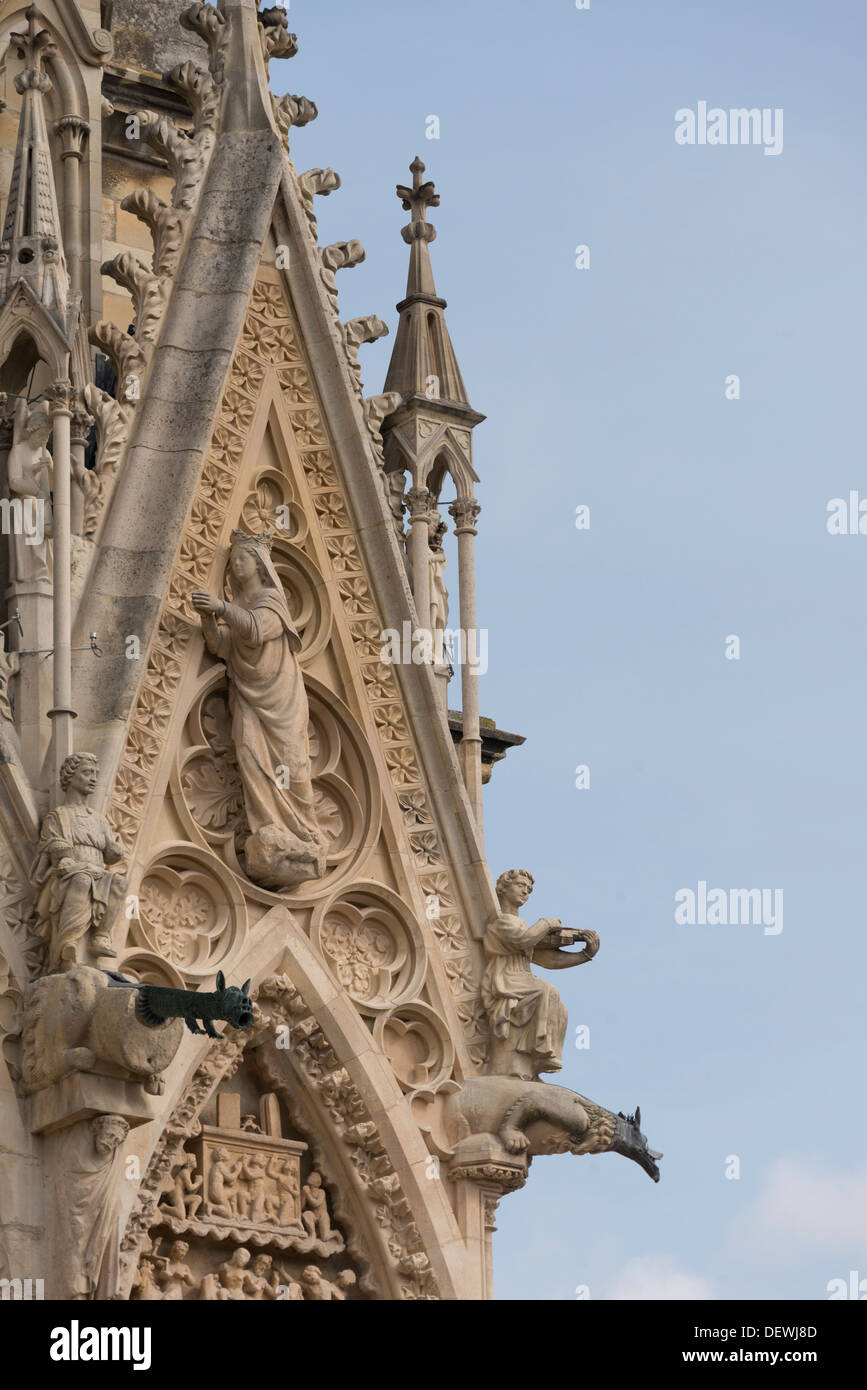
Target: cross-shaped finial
x: 421, y: 196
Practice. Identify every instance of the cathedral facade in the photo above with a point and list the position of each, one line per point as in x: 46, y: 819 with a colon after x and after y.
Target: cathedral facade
x: 269, y: 1026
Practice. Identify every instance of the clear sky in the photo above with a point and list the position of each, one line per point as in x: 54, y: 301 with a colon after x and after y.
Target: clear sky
x: 607, y: 387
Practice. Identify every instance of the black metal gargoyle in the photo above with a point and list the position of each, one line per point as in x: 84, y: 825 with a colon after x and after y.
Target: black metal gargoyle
x: 157, y: 1003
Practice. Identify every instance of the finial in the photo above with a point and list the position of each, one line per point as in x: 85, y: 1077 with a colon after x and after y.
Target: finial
x: 419, y: 198
x: 33, y: 48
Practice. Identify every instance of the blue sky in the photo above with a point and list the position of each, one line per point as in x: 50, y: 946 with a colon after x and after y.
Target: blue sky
x: 606, y: 387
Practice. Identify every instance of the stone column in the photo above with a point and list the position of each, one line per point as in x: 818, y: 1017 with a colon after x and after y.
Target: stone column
x: 73, y: 132
x: 419, y: 501
x: 465, y: 510
x: 62, y: 712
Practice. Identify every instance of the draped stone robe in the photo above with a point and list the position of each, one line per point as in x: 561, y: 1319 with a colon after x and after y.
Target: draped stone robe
x: 522, y: 1009
x: 84, y: 894
x: 269, y: 709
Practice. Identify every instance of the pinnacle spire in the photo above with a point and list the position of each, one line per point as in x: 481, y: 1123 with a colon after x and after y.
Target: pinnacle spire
x: 419, y: 233
x: 32, y: 246
x: 423, y: 362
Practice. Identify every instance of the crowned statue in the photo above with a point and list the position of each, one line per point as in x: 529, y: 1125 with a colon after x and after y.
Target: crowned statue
x: 255, y: 636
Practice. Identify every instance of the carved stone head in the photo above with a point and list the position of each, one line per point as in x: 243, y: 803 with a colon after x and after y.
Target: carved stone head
x: 109, y: 1132
x: 83, y: 767
x: 515, y: 885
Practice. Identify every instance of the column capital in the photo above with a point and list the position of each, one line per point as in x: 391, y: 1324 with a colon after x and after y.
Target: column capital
x: 419, y: 501
x: 73, y: 132
x: 465, y: 510
x: 61, y: 397
x: 82, y: 423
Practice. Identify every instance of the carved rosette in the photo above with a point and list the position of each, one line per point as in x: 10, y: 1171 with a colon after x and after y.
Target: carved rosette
x: 417, y: 1045
x: 191, y: 914
x: 372, y: 944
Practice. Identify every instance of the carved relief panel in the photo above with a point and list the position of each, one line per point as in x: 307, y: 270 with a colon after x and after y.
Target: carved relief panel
x: 244, y: 1213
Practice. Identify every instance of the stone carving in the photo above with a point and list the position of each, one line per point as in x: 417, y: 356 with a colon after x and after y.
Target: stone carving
x: 30, y: 473
x: 341, y: 255
x: 111, y: 419
x: 165, y: 224
x: 279, y: 1001
x: 250, y: 1183
x: 527, y: 1017
x: 185, y: 1195
x: 270, y: 337
x: 292, y: 111
x: 81, y: 889
x: 357, y: 331
x: 18, y: 911
x: 318, y: 1289
x: 231, y: 1282
x: 173, y: 1275
x: 504, y: 1121
x: 277, y: 42
x: 210, y: 25
x: 316, y: 181
x: 81, y: 1021
x: 372, y: 944
x: 259, y: 643
x: 8, y: 669
x: 264, y: 1282
x: 188, y: 915
x: 439, y: 594
x: 211, y: 780
x: 149, y: 292
x: 315, y: 1217
x: 89, y: 1171
x: 417, y: 1045
x: 187, y: 155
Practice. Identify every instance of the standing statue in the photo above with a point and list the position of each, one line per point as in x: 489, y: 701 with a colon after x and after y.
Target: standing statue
x: 89, y: 1173
x: 255, y: 636
x: 8, y: 669
x: 527, y: 1017
x: 79, y: 893
x: 30, y: 473
x: 439, y: 594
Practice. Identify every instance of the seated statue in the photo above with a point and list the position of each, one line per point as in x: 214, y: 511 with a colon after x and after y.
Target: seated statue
x: 527, y: 1017
x: 79, y: 893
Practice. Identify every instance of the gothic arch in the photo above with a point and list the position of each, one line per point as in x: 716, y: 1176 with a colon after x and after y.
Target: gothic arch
x: 398, y: 1220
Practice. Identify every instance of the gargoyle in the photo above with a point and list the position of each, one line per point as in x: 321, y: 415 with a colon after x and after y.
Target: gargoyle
x: 157, y: 1003
x: 510, y: 1121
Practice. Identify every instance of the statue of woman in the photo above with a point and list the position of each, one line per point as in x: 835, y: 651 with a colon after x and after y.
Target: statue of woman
x: 527, y: 1016
x: 255, y: 636
x: 80, y: 893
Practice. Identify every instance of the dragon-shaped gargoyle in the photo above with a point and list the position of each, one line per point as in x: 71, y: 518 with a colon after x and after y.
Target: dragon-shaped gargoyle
x: 156, y: 1003
x: 505, y: 1121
